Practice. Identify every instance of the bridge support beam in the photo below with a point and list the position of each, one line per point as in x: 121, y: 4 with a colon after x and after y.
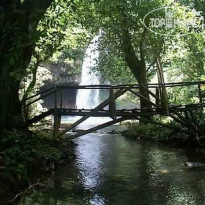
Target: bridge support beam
x: 112, y: 106
x: 99, y: 107
x: 84, y: 132
x: 57, y: 124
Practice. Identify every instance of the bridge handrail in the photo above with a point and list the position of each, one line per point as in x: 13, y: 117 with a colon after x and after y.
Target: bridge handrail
x: 150, y: 85
x: 38, y: 93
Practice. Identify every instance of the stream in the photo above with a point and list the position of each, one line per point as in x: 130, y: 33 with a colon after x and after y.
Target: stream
x: 111, y: 169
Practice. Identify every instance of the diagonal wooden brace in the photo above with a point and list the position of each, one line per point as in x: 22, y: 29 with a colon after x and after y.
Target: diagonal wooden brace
x: 99, y: 107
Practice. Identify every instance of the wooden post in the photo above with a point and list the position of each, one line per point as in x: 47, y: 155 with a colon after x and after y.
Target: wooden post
x: 164, y: 98
x: 56, y: 120
x: 58, y: 117
x: 112, y: 106
x: 157, y: 97
x: 61, y: 102
x: 200, y: 95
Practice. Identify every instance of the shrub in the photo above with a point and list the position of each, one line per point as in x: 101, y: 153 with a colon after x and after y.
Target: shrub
x: 147, y: 131
x: 20, y: 151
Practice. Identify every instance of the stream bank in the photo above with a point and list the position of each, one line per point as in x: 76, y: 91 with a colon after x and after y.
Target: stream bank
x: 161, y: 135
x: 27, y: 159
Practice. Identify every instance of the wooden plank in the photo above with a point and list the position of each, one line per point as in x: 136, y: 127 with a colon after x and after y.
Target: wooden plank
x: 106, y: 113
x: 38, y: 93
x: 149, y: 85
x: 41, y: 97
x: 39, y: 117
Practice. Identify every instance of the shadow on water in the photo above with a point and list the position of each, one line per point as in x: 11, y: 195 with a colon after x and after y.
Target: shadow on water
x: 110, y: 169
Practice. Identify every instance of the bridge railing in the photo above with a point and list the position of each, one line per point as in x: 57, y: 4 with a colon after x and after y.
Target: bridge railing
x: 159, y: 101
x: 154, y: 90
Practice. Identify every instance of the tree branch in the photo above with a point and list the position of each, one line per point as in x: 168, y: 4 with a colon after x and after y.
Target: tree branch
x: 26, y: 191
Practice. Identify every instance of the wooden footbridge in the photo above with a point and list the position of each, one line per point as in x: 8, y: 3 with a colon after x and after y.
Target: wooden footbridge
x: 158, y: 101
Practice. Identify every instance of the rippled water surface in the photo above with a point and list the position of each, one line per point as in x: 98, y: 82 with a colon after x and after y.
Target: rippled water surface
x: 110, y: 169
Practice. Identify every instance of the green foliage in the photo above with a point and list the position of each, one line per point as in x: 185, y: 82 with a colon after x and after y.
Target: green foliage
x: 181, y: 56
x: 45, y: 148
x: 59, y: 39
x: 59, y: 48
x: 198, y: 118
x: 183, y: 95
x: 114, y: 18
x: 185, y: 58
x: 21, y: 153
x: 15, y: 157
x: 147, y: 131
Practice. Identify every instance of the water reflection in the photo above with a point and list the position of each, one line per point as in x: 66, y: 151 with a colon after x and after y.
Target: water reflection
x: 89, y: 161
x: 110, y: 169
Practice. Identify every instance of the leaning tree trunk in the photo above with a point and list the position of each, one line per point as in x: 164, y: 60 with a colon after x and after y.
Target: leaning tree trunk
x: 136, y: 66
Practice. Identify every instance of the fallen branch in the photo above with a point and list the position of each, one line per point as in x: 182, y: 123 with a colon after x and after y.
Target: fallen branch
x: 26, y: 191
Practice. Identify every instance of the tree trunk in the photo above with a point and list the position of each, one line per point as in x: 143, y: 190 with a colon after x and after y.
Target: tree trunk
x: 29, y: 90
x: 136, y: 66
x: 15, y: 61
x: 10, y: 107
x: 18, y: 21
x: 11, y: 74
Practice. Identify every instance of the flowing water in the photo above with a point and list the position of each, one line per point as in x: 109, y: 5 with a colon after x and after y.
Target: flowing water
x: 87, y: 98
x: 112, y: 170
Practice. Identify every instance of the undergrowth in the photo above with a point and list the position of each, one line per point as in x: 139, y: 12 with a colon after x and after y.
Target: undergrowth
x: 23, y: 153
x: 147, y: 131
